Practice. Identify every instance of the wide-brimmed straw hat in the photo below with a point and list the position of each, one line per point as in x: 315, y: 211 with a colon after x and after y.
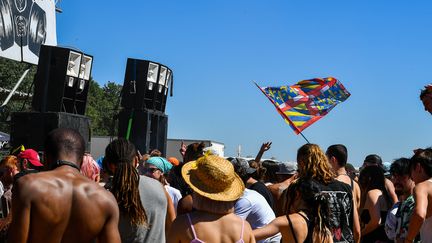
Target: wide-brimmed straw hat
x: 213, y: 177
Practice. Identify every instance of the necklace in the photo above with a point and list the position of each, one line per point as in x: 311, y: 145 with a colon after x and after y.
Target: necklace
x: 59, y: 163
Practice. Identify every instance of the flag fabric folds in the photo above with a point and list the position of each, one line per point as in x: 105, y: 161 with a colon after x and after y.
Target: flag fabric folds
x: 306, y: 102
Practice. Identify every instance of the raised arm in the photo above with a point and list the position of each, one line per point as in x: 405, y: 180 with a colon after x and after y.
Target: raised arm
x: 264, y: 147
x: 21, y: 202
x: 182, y: 150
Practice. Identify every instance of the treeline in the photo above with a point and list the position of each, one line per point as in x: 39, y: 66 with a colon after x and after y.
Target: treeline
x: 102, y: 101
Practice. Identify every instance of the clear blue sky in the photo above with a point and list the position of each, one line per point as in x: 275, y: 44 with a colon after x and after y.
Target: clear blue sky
x: 380, y: 50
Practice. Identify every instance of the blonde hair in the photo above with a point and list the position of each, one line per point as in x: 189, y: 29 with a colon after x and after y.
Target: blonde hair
x: 313, y: 164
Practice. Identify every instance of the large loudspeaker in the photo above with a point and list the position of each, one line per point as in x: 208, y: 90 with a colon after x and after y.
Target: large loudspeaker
x: 62, y: 80
x: 31, y: 128
x: 146, y: 85
x: 148, y: 129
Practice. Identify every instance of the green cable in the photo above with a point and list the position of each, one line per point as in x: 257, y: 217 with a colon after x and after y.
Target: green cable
x: 129, y: 125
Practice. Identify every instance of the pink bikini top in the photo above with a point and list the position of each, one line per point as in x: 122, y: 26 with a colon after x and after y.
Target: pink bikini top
x: 196, y: 240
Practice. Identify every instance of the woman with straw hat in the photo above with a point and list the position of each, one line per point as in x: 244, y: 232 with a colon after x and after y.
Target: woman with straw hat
x: 216, y: 187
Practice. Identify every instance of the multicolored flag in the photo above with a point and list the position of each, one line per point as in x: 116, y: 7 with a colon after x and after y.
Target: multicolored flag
x: 307, y: 101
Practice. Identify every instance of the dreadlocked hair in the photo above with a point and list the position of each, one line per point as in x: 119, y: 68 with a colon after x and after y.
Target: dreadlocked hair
x: 313, y: 164
x: 321, y: 231
x: 125, y: 181
x: 315, y: 206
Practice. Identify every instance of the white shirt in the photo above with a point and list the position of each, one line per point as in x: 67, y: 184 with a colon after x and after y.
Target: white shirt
x: 253, y: 207
x: 174, y: 194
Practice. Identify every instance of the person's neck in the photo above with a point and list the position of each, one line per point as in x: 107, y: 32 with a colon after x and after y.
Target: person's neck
x: 250, y: 182
x: 341, y: 171
x: 66, y: 163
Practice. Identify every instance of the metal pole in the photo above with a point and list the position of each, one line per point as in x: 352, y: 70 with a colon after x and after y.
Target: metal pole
x: 16, y: 87
x: 304, y: 137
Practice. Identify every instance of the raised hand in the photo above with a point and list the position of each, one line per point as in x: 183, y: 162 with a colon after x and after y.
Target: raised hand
x: 182, y: 149
x: 265, y: 146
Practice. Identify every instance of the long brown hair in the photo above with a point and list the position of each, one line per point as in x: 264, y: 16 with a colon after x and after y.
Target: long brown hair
x: 121, y: 153
x: 313, y: 164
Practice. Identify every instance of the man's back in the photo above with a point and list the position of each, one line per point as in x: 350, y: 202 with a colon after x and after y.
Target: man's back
x: 62, y: 206
x: 339, y: 196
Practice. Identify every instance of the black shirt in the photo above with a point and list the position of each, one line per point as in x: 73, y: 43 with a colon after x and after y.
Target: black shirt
x: 264, y: 191
x: 339, y: 196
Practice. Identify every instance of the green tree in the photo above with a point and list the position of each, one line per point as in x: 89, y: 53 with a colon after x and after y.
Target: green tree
x: 102, y: 102
x: 102, y: 106
x: 10, y: 73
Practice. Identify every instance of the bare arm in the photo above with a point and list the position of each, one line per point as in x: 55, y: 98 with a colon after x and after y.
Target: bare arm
x: 264, y: 147
x: 419, y: 213
x: 110, y: 232
x: 271, y: 229
x: 177, y: 229
x: 372, y: 205
x: 248, y: 235
x: 391, y: 191
x: 171, y: 214
x: 356, y: 218
x: 21, y: 203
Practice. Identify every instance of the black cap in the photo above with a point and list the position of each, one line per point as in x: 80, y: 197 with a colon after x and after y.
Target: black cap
x: 373, y: 159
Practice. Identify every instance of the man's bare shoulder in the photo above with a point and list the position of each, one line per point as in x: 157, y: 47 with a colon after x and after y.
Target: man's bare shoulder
x: 60, y: 183
x: 424, y: 187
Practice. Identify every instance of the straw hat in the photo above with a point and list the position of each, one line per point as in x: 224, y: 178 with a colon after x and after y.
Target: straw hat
x: 213, y: 177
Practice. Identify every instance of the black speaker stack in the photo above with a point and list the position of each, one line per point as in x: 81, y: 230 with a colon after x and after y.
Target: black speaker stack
x: 142, y: 119
x: 62, y: 80
x: 30, y: 128
x: 61, y: 87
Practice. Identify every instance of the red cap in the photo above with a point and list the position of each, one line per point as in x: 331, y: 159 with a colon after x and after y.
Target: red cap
x: 32, y: 156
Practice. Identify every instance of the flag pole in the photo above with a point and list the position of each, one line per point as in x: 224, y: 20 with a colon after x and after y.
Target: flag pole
x: 281, y: 112
x: 304, y: 137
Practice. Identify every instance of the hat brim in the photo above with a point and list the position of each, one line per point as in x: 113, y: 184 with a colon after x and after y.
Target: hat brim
x: 250, y: 170
x: 35, y: 162
x: 232, y: 193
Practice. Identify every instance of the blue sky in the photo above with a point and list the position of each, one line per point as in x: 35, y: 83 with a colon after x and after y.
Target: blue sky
x: 380, y: 50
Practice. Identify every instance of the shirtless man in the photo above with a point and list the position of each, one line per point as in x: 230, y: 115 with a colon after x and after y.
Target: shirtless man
x: 338, y: 156
x: 62, y: 205
x: 421, y: 174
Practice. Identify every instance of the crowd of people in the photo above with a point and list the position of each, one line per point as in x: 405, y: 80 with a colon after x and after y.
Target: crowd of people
x: 67, y: 196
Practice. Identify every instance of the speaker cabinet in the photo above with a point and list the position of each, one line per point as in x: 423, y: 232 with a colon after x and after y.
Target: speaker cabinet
x: 62, y: 80
x: 31, y: 128
x: 145, y: 85
x: 147, y: 130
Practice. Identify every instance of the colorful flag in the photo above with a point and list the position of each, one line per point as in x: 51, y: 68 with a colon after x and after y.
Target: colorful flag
x: 307, y: 101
